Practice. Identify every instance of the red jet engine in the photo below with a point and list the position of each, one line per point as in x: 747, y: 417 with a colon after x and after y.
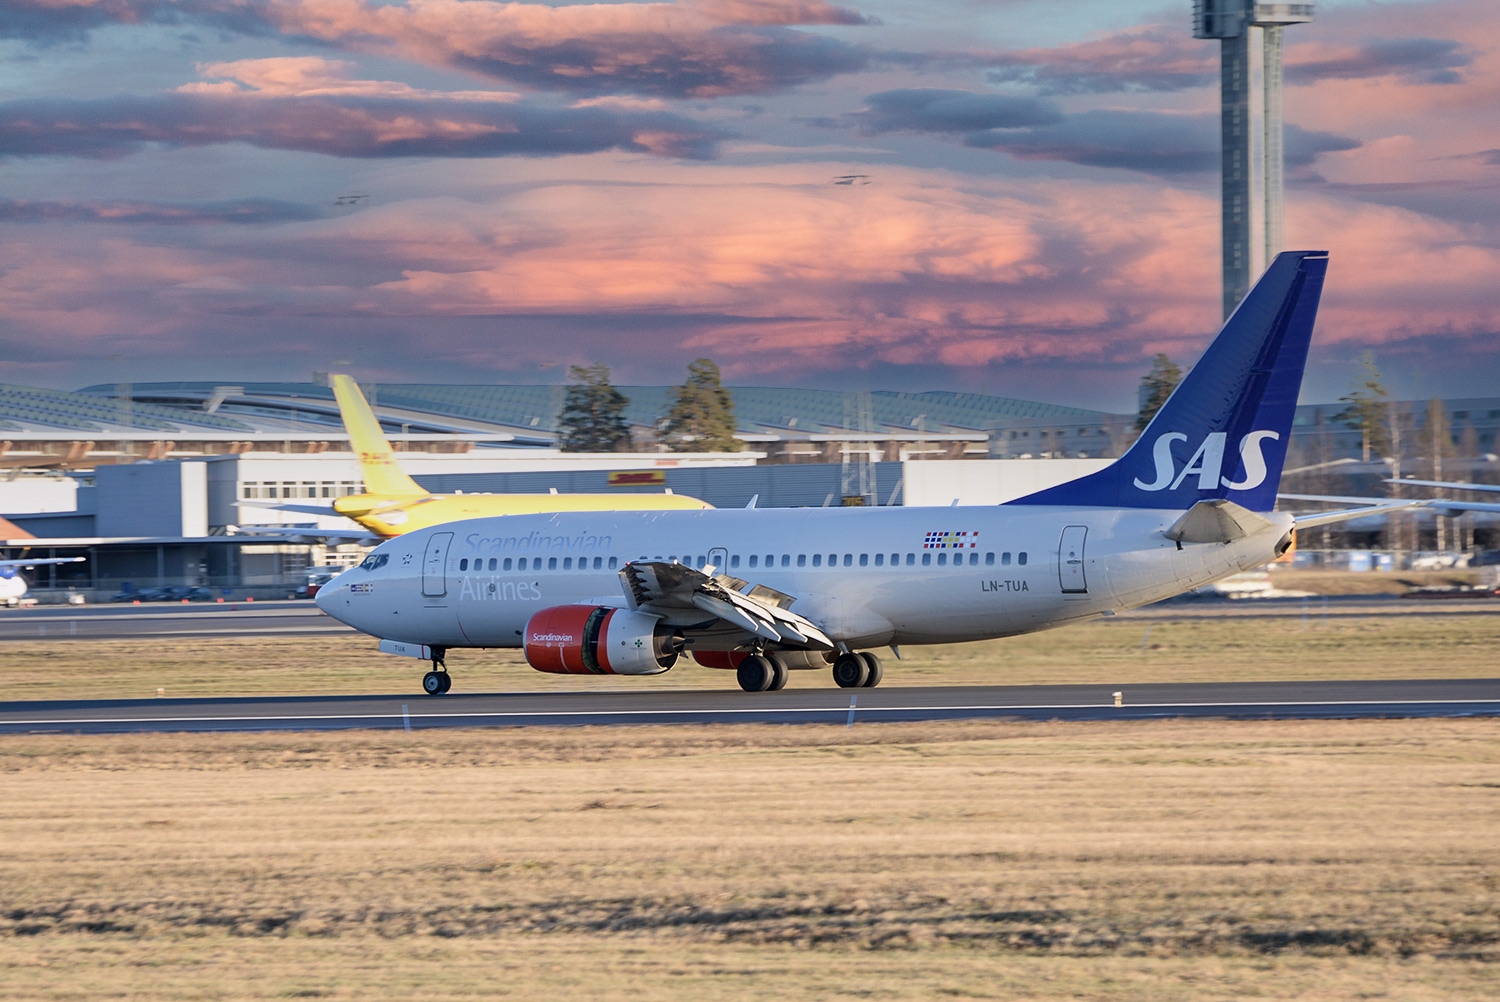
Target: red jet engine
x: 592, y: 640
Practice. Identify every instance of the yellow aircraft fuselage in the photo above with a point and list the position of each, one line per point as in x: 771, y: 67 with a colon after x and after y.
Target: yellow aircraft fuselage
x: 397, y: 504
x: 389, y: 516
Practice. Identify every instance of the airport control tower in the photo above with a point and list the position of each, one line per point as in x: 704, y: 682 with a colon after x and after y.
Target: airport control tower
x: 1249, y: 36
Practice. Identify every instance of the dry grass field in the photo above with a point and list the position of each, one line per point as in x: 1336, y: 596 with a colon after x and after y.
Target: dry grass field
x: 1124, y: 651
x: 1170, y: 860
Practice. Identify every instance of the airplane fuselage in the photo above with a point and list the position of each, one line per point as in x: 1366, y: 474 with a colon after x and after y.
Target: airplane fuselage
x: 867, y: 577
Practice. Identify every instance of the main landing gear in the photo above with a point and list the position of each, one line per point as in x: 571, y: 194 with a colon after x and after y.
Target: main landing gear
x: 437, y: 681
x: 861, y: 670
x: 768, y: 672
x: 762, y: 673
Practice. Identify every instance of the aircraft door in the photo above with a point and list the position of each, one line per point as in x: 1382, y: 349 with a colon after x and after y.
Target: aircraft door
x: 719, y: 557
x: 1070, y: 560
x: 435, y: 565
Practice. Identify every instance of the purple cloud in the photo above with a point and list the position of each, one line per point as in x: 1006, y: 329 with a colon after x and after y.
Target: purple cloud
x: 341, y: 126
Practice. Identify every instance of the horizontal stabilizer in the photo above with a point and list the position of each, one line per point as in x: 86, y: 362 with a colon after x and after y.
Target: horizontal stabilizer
x: 1217, y: 521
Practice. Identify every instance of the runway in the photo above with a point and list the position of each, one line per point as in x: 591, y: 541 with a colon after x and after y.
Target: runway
x: 296, y: 618
x: 162, y: 619
x: 1230, y: 700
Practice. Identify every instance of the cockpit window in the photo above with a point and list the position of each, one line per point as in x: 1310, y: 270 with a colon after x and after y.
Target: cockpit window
x: 375, y: 561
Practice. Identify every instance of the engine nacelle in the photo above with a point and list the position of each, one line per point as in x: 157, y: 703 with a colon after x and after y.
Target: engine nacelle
x: 595, y: 640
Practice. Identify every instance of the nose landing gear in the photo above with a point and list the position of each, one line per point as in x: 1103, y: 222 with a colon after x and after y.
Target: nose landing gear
x: 437, y: 681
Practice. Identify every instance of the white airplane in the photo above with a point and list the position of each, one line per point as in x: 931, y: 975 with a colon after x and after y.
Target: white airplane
x: 13, y: 586
x: 766, y: 591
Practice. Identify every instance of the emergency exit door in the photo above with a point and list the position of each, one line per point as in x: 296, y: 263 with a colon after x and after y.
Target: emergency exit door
x: 1070, y: 560
x: 435, y: 565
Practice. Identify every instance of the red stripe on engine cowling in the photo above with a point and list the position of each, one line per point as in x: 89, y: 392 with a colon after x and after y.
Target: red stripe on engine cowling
x: 554, y: 639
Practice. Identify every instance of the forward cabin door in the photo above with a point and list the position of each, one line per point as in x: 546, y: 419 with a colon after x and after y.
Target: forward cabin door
x: 1070, y: 560
x: 435, y: 565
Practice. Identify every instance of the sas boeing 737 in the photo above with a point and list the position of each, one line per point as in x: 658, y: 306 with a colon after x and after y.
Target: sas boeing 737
x: 766, y: 591
x: 395, y: 503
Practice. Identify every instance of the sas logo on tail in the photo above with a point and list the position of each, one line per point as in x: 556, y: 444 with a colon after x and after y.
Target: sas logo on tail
x: 1208, y: 462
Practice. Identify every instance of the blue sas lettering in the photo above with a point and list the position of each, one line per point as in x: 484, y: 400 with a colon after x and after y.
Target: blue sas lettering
x: 1208, y: 462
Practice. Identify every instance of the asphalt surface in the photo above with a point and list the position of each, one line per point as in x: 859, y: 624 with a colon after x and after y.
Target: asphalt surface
x: 283, y: 618
x: 163, y: 619
x: 1231, y: 700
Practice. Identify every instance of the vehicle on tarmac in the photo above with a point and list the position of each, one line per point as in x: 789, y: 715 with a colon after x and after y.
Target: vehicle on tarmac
x: 764, y: 592
x: 397, y: 504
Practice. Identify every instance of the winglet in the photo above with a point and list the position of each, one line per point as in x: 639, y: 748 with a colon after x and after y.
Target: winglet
x: 377, y: 461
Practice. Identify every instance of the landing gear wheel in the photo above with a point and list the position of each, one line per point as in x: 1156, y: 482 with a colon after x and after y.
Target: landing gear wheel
x: 779, y: 673
x: 755, y: 674
x: 435, y: 683
x: 877, y: 672
x: 448, y: 682
x: 850, y: 671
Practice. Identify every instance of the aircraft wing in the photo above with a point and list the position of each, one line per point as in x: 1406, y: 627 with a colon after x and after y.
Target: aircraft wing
x: 1449, y: 484
x: 353, y: 535
x: 304, y: 509
x: 41, y: 561
x: 658, y: 586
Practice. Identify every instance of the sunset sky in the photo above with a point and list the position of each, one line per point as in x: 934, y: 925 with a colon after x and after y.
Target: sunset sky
x: 646, y: 183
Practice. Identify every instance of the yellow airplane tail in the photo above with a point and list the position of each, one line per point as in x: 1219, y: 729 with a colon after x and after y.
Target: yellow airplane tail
x: 377, y: 461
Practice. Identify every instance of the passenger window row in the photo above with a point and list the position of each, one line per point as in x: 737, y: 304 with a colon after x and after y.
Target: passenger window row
x: 834, y: 560
x: 520, y: 563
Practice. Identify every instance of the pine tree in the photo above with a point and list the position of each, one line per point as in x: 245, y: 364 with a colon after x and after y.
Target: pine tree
x: 593, y: 414
x: 1156, y: 386
x: 1368, y: 411
x: 702, y: 415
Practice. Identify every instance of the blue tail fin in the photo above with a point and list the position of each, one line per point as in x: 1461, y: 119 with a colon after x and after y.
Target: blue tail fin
x: 1223, y: 432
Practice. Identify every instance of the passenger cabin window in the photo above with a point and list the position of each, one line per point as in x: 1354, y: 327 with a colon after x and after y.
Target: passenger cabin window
x: 942, y: 559
x: 864, y: 560
x: 598, y: 562
x: 493, y: 562
x: 911, y: 558
x: 880, y: 560
x: 833, y: 560
x: 926, y: 559
x: 802, y: 560
x: 613, y: 562
x: 989, y: 560
x: 973, y: 560
x: 817, y: 560
x: 1021, y: 558
x: 786, y: 560
x: 567, y: 563
x: 551, y: 563
x: 1005, y: 559
x: 463, y: 564
x: 734, y: 561
x: 754, y: 559
x: 770, y: 560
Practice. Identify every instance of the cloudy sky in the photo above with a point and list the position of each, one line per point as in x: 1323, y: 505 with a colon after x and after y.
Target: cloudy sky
x: 646, y: 183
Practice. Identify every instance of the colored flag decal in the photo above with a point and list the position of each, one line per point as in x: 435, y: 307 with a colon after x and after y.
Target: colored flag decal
x: 363, y: 586
x: 951, y: 541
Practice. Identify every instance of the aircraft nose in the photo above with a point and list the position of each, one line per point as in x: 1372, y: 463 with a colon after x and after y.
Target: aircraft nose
x: 326, y: 595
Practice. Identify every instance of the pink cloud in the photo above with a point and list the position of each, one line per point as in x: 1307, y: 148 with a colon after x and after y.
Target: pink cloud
x: 774, y: 279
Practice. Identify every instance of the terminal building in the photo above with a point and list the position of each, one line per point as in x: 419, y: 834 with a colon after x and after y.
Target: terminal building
x: 146, y: 480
